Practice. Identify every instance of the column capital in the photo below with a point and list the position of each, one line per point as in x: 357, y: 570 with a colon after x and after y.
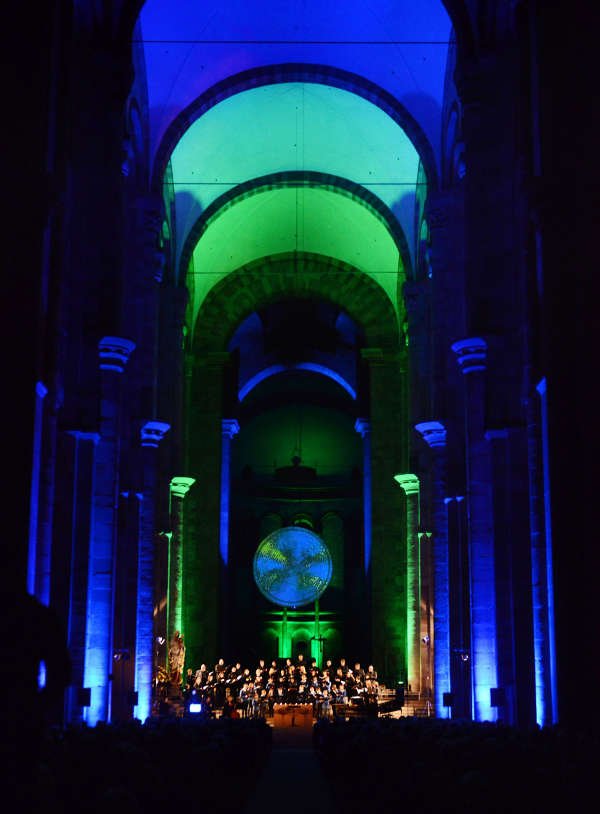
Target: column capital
x: 408, y: 482
x: 229, y: 427
x: 41, y: 389
x: 180, y: 486
x: 362, y: 426
x: 84, y: 436
x: 114, y: 352
x: 457, y: 498
x: 471, y: 354
x: 432, y: 432
x: 152, y: 433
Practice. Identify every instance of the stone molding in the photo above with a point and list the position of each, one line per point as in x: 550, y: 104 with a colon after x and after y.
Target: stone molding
x: 409, y: 483
x: 471, y: 354
x: 362, y: 426
x: 152, y: 433
x: 229, y: 427
x: 181, y: 485
x: 433, y: 433
x: 114, y: 352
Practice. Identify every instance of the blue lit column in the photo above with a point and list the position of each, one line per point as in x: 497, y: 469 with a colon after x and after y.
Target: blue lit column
x: 41, y: 391
x: 152, y: 434
x: 363, y: 427
x: 179, y: 488
x: 471, y: 357
x: 434, y: 434
x: 543, y: 586
x: 114, y: 354
x: 84, y: 454
x: 229, y: 428
x: 410, y: 486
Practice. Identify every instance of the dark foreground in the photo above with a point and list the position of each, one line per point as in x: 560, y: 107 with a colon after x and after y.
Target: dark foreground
x: 379, y: 765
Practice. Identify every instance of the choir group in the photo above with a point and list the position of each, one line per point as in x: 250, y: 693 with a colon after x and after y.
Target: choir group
x: 244, y: 692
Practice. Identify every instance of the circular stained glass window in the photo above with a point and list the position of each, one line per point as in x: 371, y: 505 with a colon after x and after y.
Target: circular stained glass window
x: 292, y: 566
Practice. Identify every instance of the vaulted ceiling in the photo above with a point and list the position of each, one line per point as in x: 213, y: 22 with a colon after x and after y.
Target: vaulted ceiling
x: 295, y: 125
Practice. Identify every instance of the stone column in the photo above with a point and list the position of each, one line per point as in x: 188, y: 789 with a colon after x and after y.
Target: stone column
x: 41, y: 391
x: 201, y: 604
x: 541, y: 565
x: 152, y: 433
x: 47, y: 490
x: 410, y: 486
x: 471, y: 357
x: 426, y: 605
x: 434, y: 434
x: 83, y: 466
x: 460, y: 607
x: 229, y: 428
x: 114, y: 354
x: 389, y: 455
x: 363, y: 427
x: 179, y: 488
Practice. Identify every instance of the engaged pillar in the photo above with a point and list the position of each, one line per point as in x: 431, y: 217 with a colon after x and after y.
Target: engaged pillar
x: 434, y: 435
x: 229, y: 428
x: 114, y: 353
x: 151, y: 434
x: 363, y: 427
x: 471, y: 357
x: 179, y: 488
x: 410, y: 485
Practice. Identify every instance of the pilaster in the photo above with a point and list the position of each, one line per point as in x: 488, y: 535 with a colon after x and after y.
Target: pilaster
x: 201, y: 564
x: 83, y: 450
x: 113, y: 356
x: 471, y: 358
x: 434, y: 435
x: 410, y: 485
x: 179, y: 487
x: 388, y: 438
x: 151, y: 435
x: 363, y: 428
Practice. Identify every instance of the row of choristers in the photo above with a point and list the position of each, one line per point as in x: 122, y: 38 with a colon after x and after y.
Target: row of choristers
x: 251, y: 693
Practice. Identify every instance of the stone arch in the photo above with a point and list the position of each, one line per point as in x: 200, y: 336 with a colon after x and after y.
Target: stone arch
x: 301, y: 275
x: 298, y: 178
x: 295, y: 72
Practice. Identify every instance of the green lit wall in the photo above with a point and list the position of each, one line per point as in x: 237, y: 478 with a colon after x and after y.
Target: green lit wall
x: 325, y: 438
x: 303, y: 219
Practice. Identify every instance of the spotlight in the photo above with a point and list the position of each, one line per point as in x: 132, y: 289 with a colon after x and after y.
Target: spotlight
x: 195, y: 708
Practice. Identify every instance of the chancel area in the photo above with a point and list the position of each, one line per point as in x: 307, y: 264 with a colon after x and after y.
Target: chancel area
x: 301, y: 312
